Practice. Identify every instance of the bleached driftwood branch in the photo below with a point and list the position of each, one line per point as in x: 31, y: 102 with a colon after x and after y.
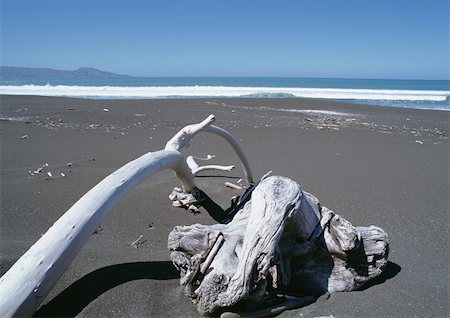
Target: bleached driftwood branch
x: 182, y: 138
x: 195, y: 168
x: 32, y: 277
x: 25, y: 285
x: 282, y: 242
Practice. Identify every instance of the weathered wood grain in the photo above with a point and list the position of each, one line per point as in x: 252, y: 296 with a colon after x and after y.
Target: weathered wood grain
x: 281, y: 242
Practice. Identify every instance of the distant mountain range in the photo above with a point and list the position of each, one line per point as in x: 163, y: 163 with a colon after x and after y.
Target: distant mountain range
x: 17, y: 73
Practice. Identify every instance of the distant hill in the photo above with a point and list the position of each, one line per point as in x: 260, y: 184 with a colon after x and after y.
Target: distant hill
x: 17, y: 73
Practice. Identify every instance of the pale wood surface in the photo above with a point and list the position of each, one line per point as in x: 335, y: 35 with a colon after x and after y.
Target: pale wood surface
x: 282, y: 242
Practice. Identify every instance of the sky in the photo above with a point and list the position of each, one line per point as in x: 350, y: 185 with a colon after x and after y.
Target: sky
x: 386, y: 39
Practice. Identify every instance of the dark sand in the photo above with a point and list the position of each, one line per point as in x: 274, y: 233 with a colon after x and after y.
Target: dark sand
x: 373, y: 165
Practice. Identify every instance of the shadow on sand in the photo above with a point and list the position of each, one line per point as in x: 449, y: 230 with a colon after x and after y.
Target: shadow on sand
x: 389, y: 272
x: 77, y: 296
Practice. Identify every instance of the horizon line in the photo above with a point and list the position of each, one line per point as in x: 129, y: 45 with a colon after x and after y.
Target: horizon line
x: 239, y: 76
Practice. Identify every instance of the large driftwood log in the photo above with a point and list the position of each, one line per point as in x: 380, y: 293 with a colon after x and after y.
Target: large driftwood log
x: 281, y: 242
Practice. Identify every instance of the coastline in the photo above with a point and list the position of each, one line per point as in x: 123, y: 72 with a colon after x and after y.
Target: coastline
x: 373, y: 165
x: 417, y: 94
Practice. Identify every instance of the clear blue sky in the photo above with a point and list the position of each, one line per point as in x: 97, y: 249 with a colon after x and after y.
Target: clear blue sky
x: 305, y: 38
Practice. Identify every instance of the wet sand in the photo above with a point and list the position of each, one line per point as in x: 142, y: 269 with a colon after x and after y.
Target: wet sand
x: 373, y: 165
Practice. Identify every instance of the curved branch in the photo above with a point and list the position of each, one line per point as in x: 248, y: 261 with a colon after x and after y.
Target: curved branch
x: 31, y: 278
x: 182, y: 138
x: 195, y: 168
x: 234, y: 143
x: 192, y: 164
x: 211, y: 167
x: 25, y: 285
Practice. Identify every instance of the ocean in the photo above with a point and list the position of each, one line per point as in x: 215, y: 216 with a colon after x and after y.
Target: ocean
x: 420, y: 94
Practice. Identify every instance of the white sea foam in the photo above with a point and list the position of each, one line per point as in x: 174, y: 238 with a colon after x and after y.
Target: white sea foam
x: 312, y: 111
x: 224, y: 91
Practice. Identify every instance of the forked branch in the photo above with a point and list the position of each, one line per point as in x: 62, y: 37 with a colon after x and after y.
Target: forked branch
x: 26, y: 284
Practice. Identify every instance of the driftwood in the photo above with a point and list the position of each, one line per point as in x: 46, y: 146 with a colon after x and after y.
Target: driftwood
x: 26, y: 284
x: 282, y: 242
x: 274, y: 239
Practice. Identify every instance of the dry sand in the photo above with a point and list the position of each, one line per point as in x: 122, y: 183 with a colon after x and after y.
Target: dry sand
x: 373, y: 165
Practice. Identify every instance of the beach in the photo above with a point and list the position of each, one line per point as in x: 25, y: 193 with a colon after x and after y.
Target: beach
x: 373, y: 165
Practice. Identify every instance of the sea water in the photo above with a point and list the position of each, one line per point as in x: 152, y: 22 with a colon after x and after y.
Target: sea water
x: 422, y: 94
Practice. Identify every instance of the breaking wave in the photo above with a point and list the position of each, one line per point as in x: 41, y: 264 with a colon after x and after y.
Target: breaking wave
x: 224, y: 91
